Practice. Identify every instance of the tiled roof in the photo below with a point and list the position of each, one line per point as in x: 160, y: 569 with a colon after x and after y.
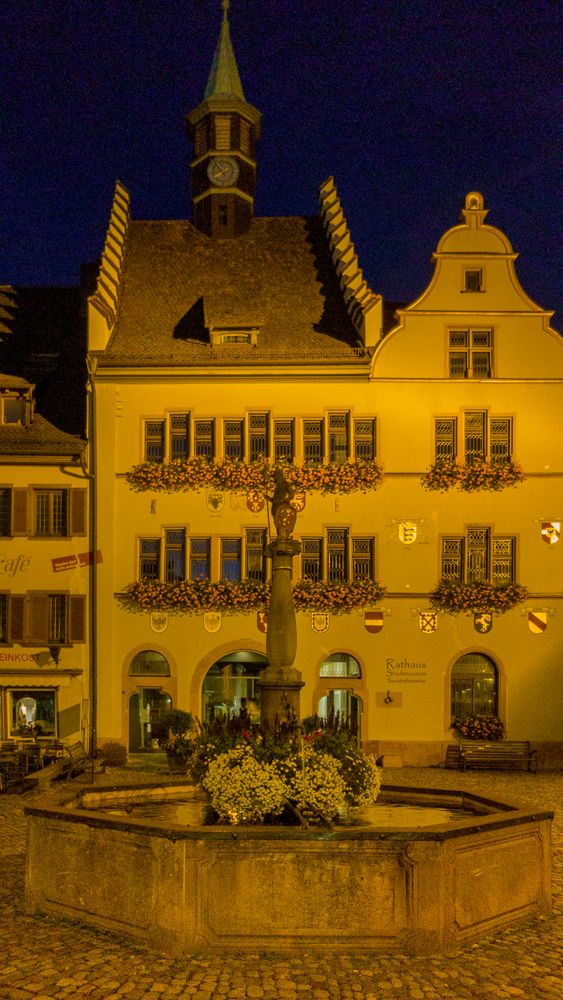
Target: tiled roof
x: 39, y: 438
x: 278, y: 276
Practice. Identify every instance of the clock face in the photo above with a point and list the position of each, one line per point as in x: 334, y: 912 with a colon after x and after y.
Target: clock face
x: 222, y: 171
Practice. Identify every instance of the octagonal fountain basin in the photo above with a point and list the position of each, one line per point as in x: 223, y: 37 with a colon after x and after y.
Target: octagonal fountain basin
x: 423, y: 871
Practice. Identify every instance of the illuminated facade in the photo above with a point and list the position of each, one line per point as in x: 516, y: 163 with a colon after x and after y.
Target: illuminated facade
x: 44, y: 573
x: 423, y: 449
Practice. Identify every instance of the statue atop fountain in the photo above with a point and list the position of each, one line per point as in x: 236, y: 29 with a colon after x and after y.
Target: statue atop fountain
x: 281, y: 682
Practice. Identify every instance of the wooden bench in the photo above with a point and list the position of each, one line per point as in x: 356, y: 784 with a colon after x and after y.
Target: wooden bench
x: 80, y: 762
x: 509, y: 754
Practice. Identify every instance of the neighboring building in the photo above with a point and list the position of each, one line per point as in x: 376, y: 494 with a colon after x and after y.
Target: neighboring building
x: 217, y: 342
x: 44, y: 560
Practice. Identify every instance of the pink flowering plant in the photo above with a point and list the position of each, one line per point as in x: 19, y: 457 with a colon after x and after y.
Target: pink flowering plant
x: 473, y: 476
x: 237, y: 476
x: 455, y: 597
x: 336, y: 598
x: 199, y: 596
x: 479, y: 727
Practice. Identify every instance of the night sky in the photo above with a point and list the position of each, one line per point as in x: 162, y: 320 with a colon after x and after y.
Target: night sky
x: 409, y: 105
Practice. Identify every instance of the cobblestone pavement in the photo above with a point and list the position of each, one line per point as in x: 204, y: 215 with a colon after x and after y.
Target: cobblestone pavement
x: 48, y: 959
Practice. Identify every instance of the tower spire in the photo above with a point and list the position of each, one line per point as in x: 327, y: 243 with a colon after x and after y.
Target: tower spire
x: 224, y: 129
x: 224, y: 79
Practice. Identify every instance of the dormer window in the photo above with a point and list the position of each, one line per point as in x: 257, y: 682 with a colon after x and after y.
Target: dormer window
x: 474, y: 280
x: 233, y: 336
x: 13, y: 410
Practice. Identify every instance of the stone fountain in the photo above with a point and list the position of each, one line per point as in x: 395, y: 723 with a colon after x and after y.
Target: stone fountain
x: 181, y: 887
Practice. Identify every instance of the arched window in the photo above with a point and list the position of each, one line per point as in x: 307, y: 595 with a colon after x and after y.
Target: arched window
x: 230, y: 685
x: 149, y: 663
x: 474, y: 686
x: 340, y: 665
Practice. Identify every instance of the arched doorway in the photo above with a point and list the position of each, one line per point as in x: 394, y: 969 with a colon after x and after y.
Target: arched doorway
x: 474, y: 686
x: 341, y: 699
x: 148, y: 704
x: 231, y: 685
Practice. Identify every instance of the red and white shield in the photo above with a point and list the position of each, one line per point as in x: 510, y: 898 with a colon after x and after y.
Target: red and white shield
x: 373, y: 621
x: 255, y: 501
x: 537, y: 621
x: 550, y: 531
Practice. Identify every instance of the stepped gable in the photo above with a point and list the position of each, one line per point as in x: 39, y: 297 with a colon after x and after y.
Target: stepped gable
x: 179, y: 286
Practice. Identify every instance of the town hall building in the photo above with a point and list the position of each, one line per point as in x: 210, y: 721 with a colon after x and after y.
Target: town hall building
x: 419, y: 442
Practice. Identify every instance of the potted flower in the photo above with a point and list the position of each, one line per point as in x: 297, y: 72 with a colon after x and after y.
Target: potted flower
x: 178, y: 744
x: 478, y: 727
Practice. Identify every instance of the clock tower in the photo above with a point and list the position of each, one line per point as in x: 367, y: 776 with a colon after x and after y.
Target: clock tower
x: 223, y: 129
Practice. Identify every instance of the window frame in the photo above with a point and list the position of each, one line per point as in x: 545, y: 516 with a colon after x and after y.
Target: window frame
x: 474, y: 559
x: 467, y: 350
x: 449, y: 443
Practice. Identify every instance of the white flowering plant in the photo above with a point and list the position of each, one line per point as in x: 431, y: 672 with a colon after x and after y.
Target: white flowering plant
x: 306, y: 772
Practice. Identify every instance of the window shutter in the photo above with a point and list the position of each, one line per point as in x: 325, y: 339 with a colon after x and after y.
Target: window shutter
x: 19, y: 512
x: 78, y: 512
x: 17, y: 605
x: 38, y: 618
x: 77, y: 616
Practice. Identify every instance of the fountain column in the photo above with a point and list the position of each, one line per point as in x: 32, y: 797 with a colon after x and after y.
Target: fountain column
x: 281, y: 683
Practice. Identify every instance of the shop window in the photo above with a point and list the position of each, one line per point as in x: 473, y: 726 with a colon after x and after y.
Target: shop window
x: 231, y: 685
x: 149, y: 663
x: 474, y: 686
x: 32, y: 712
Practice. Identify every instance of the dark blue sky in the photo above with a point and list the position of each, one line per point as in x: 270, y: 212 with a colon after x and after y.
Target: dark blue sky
x: 409, y: 105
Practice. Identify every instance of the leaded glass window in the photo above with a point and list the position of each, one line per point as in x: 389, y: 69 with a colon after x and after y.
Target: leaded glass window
x: 337, y: 546
x: 313, y: 441
x: 175, y: 554
x: 364, y: 438
x: 283, y: 440
x: 200, y: 558
x: 231, y: 559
